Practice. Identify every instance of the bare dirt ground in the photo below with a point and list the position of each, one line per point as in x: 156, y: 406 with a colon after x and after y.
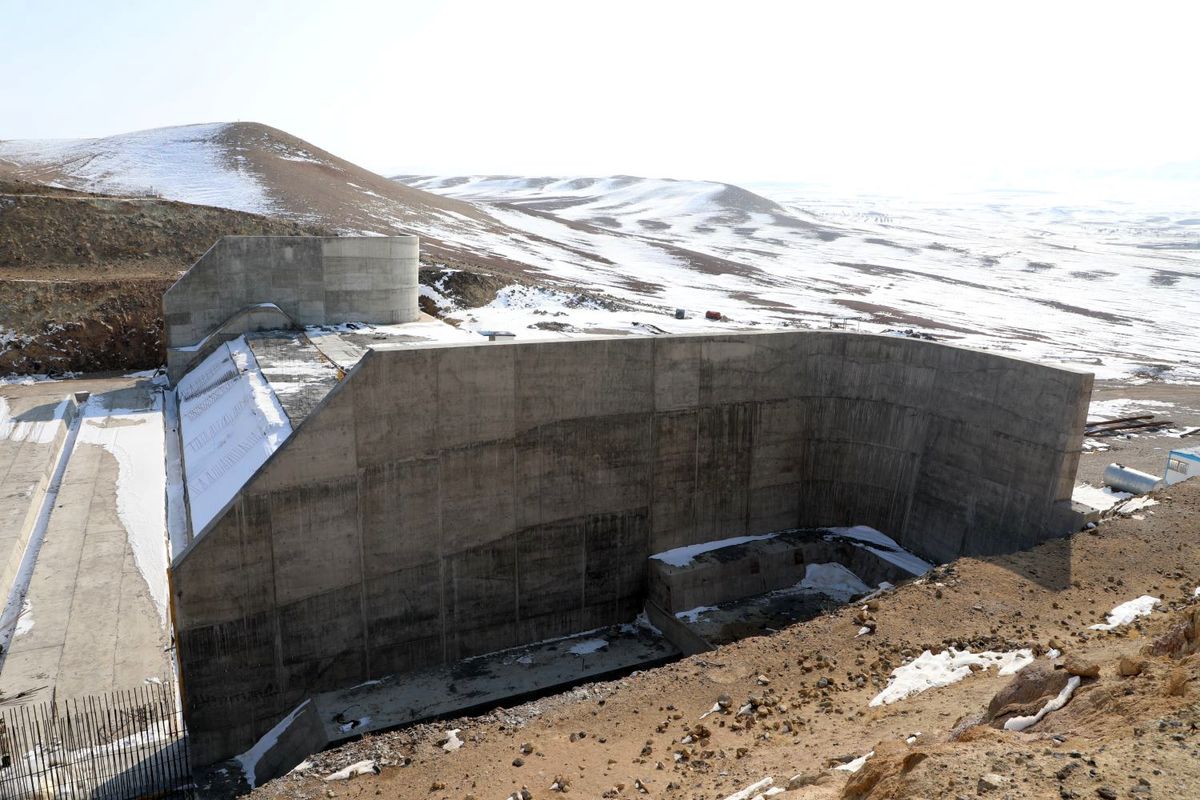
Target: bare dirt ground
x: 809, y: 687
x: 82, y: 275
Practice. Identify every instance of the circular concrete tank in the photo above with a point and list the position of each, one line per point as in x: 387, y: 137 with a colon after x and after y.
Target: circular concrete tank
x: 371, y: 279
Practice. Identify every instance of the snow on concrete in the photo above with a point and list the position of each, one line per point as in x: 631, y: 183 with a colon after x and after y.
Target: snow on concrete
x: 1101, y: 499
x: 932, y: 671
x: 1127, y: 612
x: 24, y: 620
x: 187, y: 163
x: 588, y: 646
x: 14, y: 379
x: 832, y: 580
x: 682, y: 556
x: 134, y: 436
x: 231, y: 422
x: 1053, y: 704
x: 885, y: 547
x: 33, y: 431
x: 177, y: 512
x: 249, y: 759
x: 694, y: 614
x: 14, y: 602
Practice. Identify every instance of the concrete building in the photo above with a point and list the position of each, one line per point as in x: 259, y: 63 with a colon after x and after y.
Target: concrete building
x: 252, y: 283
x: 447, y: 500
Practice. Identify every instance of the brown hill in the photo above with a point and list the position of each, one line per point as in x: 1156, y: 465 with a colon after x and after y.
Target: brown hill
x: 82, y: 275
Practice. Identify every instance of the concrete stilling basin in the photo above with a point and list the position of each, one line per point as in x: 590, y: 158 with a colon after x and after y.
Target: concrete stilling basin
x: 447, y: 501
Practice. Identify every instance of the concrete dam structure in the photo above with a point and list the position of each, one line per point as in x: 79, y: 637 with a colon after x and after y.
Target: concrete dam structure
x: 251, y: 283
x: 442, y: 501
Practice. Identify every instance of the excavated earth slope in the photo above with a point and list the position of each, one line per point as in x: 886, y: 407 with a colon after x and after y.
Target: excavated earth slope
x: 808, y: 690
x: 82, y: 275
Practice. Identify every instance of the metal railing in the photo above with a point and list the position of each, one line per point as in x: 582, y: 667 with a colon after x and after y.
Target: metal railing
x: 116, y: 746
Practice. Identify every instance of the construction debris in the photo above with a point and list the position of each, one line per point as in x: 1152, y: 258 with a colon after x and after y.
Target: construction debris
x: 1144, y: 423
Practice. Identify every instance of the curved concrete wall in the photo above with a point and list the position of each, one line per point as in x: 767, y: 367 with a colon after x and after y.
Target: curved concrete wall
x: 450, y: 501
x: 314, y: 280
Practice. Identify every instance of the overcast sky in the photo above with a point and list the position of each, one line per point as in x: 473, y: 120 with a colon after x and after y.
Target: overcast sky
x: 896, y: 92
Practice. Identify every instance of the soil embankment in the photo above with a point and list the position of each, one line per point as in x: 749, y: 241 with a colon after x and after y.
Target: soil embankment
x: 82, y: 275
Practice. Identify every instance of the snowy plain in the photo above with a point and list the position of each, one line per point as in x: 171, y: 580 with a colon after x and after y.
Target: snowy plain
x: 1103, y: 285
x: 1100, y: 277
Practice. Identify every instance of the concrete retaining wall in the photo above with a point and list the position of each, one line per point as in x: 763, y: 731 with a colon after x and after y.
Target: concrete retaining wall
x: 313, y: 280
x: 15, y: 532
x: 449, y: 501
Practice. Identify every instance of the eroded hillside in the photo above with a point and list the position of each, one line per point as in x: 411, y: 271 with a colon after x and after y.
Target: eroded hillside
x: 82, y: 275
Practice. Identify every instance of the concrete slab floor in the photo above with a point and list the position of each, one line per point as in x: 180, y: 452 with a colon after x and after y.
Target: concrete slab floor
x: 758, y: 616
x: 29, y: 442
x: 488, y: 679
x: 92, y: 624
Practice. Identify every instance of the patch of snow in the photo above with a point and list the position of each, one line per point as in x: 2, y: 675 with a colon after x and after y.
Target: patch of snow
x: 452, y: 742
x: 188, y: 163
x: 693, y: 614
x: 751, y: 790
x: 641, y: 623
x: 1127, y: 612
x: 833, y: 580
x: 1053, y: 653
x: 231, y: 422
x: 929, y: 671
x: 885, y: 547
x: 856, y: 764
x: 1054, y: 704
x: 354, y: 770
x: 1099, y: 499
x: 33, y: 431
x: 29, y: 380
x: 135, y: 437
x: 24, y: 619
x: 440, y: 300
x: 346, y: 727
x: 682, y: 556
x: 249, y: 759
x: 1120, y: 408
x: 588, y: 646
x: 1136, y: 504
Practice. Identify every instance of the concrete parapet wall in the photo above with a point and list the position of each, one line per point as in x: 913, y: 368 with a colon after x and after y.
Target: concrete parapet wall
x: 15, y: 541
x: 258, y: 317
x: 757, y: 567
x: 313, y: 280
x: 448, y: 501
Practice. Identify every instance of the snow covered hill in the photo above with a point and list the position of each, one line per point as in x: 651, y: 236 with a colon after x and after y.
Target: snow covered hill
x: 243, y: 165
x: 1110, y: 285
x: 1107, y: 285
